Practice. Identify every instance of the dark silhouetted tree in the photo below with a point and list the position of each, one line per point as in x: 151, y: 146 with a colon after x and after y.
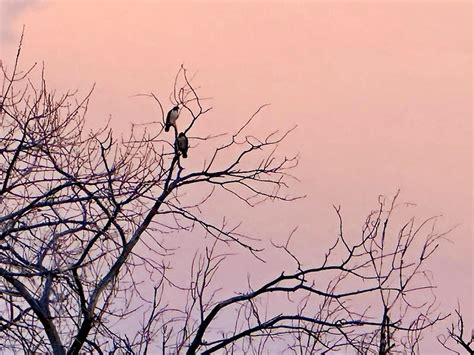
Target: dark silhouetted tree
x: 84, y: 216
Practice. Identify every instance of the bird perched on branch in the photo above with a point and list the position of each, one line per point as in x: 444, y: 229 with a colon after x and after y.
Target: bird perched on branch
x: 183, y: 145
x: 171, y: 118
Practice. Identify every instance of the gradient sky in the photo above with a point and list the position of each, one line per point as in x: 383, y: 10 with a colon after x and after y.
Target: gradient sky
x: 381, y: 93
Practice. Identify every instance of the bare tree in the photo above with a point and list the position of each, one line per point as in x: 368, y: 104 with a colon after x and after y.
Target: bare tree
x: 363, y: 296
x: 458, y: 340
x: 75, y: 204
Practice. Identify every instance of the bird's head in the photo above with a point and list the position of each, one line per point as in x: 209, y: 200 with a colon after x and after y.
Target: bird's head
x: 181, y: 134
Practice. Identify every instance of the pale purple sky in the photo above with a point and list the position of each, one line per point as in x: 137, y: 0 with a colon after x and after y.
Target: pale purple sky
x: 381, y: 93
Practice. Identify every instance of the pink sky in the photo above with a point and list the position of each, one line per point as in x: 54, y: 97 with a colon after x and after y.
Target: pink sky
x: 381, y: 93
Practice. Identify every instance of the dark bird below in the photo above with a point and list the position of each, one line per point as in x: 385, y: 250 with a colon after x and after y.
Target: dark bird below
x: 182, y: 144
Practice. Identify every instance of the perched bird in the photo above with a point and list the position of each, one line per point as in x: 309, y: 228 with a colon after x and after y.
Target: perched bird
x: 183, y: 145
x: 171, y: 118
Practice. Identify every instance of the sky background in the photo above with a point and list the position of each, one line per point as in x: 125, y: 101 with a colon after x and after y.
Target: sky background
x: 381, y: 93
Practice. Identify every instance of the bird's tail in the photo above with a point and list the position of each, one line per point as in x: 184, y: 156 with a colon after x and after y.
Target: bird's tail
x: 185, y: 154
x: 167, y: 128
